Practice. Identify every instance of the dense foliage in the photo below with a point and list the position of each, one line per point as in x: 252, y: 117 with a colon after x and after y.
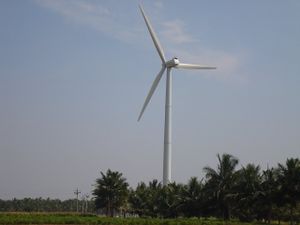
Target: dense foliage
x: 248, y: 194
x: 68, y: 218
x: 45, y: 205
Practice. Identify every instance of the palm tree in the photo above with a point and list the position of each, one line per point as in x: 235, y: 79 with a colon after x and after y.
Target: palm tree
x: 247, y: 192
x: 192, y: 198
x: 221, y: 181
x: 268, y: 193
x: 289, y: 183
x: 145, y: 200
x: 138, y: 199
x: 153, y: 202
x: 111, y: 192
x: 170, y: 200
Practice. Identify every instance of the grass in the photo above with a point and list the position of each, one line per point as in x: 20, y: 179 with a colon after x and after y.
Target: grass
x: 72, y: 218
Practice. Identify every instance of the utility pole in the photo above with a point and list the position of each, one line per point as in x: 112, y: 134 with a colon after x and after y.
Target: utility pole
x: 77, y: 192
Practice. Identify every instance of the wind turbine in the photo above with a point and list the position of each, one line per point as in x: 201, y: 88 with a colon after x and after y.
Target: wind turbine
x: 166, y: 65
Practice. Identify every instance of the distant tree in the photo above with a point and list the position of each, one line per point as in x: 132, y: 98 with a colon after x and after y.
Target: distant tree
x: 247, y: 190
x: 192, y: 198
x: 221, y: 182
x: 170, y: 200
x: 111, y: 191
x: 289, y: 184
x: 146, y: 200
x: 138, y: 199
x: 153, y: 203
x: 268, y: 194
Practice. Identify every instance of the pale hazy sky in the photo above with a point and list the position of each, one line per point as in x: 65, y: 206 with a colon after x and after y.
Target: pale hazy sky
x: 74, y: 76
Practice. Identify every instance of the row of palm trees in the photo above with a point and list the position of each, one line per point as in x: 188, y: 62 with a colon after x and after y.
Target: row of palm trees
x: 247, y: 194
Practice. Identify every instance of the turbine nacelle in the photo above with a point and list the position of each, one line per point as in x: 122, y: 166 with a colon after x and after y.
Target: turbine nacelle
x: 172, y: 63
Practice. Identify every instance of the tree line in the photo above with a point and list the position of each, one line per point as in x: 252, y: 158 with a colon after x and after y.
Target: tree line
x: 226, y: 192
x: 46, y: 205
x: 247, y: 194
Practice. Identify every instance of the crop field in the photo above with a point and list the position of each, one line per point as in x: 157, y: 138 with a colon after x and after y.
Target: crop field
x: 71, y: 218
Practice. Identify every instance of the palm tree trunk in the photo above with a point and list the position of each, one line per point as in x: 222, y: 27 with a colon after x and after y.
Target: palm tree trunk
x: 109, y: 210
x: 291, y: 215
x: 226, y: 212
x: 269, y: 214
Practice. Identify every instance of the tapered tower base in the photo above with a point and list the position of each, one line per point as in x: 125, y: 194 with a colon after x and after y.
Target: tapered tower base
x: 168, y: 131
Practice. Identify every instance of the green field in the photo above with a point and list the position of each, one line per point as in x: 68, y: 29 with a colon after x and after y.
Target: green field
x: 70, y: 218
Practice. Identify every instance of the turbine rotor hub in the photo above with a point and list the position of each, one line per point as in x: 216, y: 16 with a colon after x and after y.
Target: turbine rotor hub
x: 172, y: 63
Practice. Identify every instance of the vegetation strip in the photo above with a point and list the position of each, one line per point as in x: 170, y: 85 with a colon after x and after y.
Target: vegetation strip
x: 69, y: 218
x: 248, y: 194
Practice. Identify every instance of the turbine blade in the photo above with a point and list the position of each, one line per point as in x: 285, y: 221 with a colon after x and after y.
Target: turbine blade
x: 193, y: 66
x: 152, y: 89
x: 153, y: 36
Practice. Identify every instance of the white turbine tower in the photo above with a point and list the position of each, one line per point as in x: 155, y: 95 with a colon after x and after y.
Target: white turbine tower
x: 173, y: 63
